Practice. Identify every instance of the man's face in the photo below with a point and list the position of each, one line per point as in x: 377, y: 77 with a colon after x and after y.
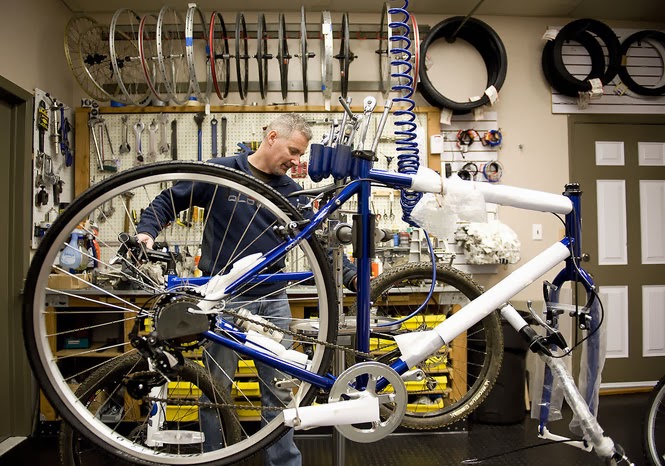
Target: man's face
x: 285, y: 153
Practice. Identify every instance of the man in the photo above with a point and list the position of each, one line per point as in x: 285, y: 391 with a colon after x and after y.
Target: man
x: 286, y: 139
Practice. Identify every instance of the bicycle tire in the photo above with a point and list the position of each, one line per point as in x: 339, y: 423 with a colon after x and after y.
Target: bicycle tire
x: 220, y: 61
x: 304, y: 53
x: 345, y: 55
x: 654, y: 421
x: 283, y: 56
x: 624, y: 75
x: 43, y: 342
x: 561, y: 79
x: 488, y: 44
x: 242, y: 69
x: 602, y: 32
x: 262, y: 56
x: 487, y: 342
x: 101, y: 389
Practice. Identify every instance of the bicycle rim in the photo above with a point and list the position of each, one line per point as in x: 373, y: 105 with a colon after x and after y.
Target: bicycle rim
x: 110, y: 312
x: 104, y: 394
x: 460, y: 375
x: 654, y: 426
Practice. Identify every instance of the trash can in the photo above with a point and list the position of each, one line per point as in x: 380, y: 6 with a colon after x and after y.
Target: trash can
x: 505, y: 404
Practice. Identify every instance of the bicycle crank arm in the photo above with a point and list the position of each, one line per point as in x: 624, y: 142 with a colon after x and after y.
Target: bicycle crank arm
x: 361, y: 410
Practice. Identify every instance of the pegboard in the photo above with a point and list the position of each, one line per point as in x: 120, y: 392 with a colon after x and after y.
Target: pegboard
x: 50, y: 165
x: 241, y: 128
x: 246, y: 127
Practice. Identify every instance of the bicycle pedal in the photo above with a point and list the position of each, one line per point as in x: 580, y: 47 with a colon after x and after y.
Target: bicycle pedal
x: 285, y: 384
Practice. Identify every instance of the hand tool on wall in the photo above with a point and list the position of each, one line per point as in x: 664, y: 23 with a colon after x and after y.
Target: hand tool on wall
x: 92, y: 124
x: 124, y: 145
x: 54, y: 136
x: 127, y: 197
x: 41, y: 198
x: 224, y: 136
x: 198, y: 119
x: 163, y: 145
x: 153, y: 127
x: 97, y: 129
x: 213, y: 133
x: 65, y: 129
x: 138, y: 130
x: 42, y: 126
x: 57, y: 191
x: 174, y: 139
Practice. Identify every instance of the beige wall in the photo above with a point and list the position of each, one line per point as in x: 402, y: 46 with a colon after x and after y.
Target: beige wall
x: 31, y: 47
x: 525, y: 118
x: 31, y: 44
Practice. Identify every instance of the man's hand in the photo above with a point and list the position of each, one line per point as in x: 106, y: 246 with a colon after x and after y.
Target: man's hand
x: 145, y: 239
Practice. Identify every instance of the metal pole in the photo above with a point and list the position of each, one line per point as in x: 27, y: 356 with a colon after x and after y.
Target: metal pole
x: 451, y: 39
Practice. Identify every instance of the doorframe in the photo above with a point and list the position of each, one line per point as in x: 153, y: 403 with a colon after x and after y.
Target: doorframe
x: 578, y: 121
x: 22, y: 391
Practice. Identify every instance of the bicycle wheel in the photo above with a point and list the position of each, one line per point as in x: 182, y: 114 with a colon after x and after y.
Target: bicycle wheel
x: 172, y: 55
x: 149, y: 58
x: 195, y: 22
x: 126, y: 58
x: 654, y: 426
x: 460, y: 375
x: 105, y: 394
x: 220, y: 57
x: 69, y: 306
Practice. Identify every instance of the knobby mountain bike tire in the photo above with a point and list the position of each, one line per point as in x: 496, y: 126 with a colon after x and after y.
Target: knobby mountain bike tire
x: 104, y: 393
x: 107, y: 311
x: 653, y: 435
x: 460, y: 375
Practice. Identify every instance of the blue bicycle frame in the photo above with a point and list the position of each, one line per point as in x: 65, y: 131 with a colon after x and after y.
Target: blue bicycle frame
x: 360, y: 186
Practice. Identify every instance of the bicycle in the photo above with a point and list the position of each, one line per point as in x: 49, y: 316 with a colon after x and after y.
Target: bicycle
x: 654, y: 421
x: 168, y: 321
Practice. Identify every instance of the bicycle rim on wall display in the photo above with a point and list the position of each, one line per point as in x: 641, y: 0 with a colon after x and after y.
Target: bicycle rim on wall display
x: 126, y: 58
x: 75, y: 31
x: 108, y: 311
x: 171, y: 54
x: 460, y: 376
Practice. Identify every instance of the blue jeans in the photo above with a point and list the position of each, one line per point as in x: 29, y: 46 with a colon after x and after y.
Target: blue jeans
x: 283, y: 452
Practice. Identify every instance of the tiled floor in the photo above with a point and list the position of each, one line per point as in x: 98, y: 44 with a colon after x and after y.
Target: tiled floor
x: 620, y: 416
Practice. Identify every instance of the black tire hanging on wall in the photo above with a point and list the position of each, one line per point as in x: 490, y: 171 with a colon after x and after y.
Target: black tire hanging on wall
x: 626, y: 78
x: 555, y: 70
x: 485, y: 40
x: 573, y: 86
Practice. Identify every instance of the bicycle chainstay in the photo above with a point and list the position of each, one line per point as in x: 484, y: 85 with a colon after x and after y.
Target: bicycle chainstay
x: 300, y: 336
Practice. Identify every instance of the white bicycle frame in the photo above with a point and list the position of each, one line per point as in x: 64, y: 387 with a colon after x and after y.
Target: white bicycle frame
x: 415, y: 347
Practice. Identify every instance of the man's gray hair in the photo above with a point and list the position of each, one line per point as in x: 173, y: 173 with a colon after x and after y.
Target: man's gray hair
x: 287, y: 123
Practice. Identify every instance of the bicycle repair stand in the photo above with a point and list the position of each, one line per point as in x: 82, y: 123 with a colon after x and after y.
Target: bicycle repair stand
x: 339, y: 359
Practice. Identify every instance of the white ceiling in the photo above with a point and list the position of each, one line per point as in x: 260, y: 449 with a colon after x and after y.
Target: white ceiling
x: 631, y: 10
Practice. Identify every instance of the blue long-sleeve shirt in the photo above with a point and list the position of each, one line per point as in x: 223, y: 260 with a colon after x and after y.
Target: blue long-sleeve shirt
x: 235, y: 226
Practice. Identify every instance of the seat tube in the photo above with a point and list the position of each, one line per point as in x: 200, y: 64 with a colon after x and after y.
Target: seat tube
x: 363, y: 259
